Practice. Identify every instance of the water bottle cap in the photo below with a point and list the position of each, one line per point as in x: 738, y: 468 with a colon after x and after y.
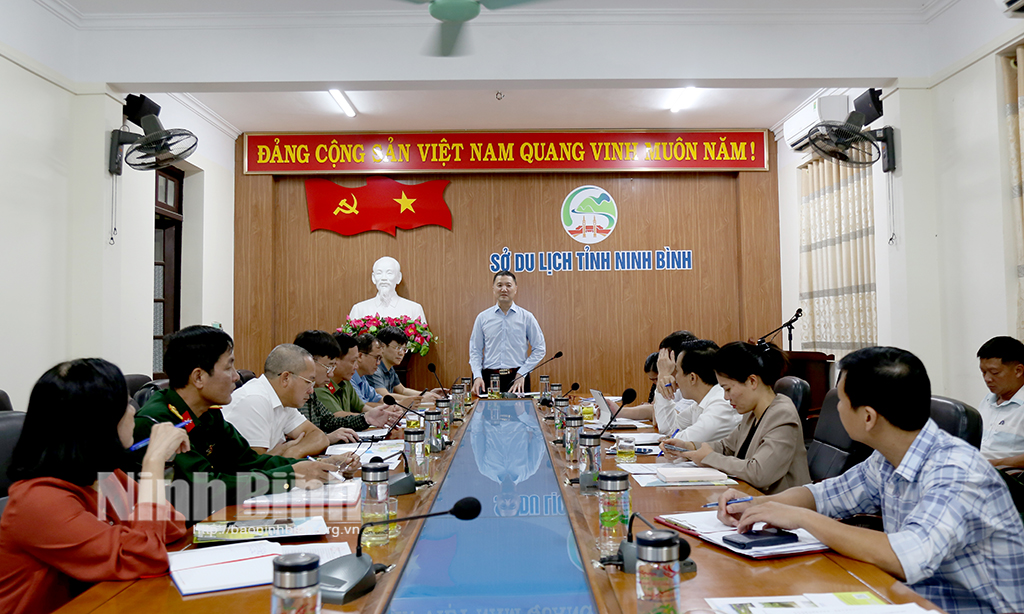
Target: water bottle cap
x: 657, y: 546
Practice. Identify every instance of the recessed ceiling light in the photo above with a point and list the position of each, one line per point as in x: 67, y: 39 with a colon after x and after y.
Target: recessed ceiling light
x: 684, y: 99
x: 346, y: 106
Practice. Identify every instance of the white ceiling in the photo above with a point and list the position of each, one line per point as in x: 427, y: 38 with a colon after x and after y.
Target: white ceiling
x: 559, y: 63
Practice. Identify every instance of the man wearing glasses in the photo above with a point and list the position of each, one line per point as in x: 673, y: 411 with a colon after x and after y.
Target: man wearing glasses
x: 385, y: 380
x: 265, y: 412
x: 366, y: 364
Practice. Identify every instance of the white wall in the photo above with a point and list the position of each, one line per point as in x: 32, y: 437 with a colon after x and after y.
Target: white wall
x: 35, y: 189
x: 948, y: 283
x: 69, y: 292
x: 976, y: 249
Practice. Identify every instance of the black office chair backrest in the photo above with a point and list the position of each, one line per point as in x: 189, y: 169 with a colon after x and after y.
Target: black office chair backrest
x: 5, y: 402
x: 136, y: 381
x: 10, y: 430
x: 832, y: 451
x: 798, y: 391
x: 958, y: 419
x: 244, y: 375
x: 147, y: 390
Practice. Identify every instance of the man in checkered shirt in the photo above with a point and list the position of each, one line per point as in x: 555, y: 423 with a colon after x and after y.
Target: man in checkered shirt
x: 951, y: 531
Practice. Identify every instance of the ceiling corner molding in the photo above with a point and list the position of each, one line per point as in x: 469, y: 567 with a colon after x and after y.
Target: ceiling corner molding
x: 63, y: 11
x: 193, y: 104
x: 935, y: 8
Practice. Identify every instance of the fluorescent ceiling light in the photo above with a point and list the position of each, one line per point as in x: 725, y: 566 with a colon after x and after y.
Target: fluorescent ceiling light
x: 684, y: 99
x: 346, y: 106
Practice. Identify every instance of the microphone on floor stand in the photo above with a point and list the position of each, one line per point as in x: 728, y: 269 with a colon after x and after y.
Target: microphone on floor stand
x: 349, y: 577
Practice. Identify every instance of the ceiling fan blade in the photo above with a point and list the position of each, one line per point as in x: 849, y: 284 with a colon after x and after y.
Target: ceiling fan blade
x: 447, y: 43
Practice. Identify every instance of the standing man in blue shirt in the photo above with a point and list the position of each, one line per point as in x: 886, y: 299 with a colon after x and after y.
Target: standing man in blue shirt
x: 951, y: 530
x: 506, y: 340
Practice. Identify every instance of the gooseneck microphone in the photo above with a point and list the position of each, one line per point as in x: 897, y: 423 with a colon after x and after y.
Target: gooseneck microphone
x: 628, y: 396
x: 548, y: 403
x: 390, y: 400
x: 349, y: 577
x: 401, y: 483
x: 522, y: 375
x: 433, y: 369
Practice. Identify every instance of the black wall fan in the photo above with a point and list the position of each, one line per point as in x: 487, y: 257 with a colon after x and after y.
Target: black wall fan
x: 157, y: 148
x: 848, y: 144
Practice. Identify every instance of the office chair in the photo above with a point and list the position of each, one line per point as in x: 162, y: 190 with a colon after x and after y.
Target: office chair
x: 798, y: 391
x: 832, y: 451
x: 244, y: 375
x: 147, y: 390
x: 136, y: 381
x: 10, y: 430
x: 5, y: 402
x: 957, y: 419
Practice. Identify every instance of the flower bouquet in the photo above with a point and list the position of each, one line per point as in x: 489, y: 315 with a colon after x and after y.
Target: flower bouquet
x: 419, y: 335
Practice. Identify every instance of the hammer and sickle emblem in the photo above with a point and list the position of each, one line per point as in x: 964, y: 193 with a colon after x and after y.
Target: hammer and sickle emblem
x: 344, y: 207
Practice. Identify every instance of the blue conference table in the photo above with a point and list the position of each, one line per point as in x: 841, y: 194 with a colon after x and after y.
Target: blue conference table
x: 521, y: 551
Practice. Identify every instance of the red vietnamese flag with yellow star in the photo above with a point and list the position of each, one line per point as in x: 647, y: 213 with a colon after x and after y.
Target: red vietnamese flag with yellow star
x: 382, y: 204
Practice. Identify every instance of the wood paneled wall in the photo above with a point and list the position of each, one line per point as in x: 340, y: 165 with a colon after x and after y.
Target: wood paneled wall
x: 288, y: 279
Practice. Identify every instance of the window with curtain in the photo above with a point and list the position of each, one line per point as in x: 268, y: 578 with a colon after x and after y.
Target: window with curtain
x: 837, y: 258
x: 1013, y: 77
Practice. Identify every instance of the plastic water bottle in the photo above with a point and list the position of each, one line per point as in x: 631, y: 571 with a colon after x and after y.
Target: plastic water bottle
x: 416, y: 454
x: 561, y: 409
x: 590, y: 461
x: 657, y: 573
x: 614, y: 508
x: 573, y: 424
x: 296, y: 584
x: 374, y: 505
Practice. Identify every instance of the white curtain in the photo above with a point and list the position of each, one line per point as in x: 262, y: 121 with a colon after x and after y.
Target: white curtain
x: 1013, y: 74
x: 837, y: 258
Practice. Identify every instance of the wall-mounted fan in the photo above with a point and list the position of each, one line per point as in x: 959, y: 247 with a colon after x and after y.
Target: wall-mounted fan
x: 453, y: 13
x: 847, y: 143
x: 157, y: 148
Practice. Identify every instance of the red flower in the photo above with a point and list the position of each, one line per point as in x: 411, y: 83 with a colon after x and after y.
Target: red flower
x: 410, y: 330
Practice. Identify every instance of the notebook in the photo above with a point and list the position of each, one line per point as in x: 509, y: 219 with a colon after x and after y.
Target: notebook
x: 333, y: 494
x: 706, y: 526
x: 220, y: 568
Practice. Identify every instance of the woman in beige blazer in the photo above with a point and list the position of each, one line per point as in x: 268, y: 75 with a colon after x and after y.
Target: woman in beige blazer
x: 767, y: 448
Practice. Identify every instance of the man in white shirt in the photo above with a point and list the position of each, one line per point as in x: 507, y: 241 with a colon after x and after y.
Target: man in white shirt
x: 1002, y: 366
x: 264, y: 410
x: 697, y: 409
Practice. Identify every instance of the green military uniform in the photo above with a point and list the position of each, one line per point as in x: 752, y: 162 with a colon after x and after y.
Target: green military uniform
x: 322, y: 415
x: 218, y: 450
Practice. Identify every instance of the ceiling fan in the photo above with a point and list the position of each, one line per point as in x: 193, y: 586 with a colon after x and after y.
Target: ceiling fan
x: 453, y: 13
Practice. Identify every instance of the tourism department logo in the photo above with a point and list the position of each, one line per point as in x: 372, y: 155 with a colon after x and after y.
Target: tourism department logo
x: 589, y: 214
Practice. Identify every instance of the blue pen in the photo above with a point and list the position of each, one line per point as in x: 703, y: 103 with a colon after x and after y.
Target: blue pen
x: 145, y: 442
x: 729, y: 502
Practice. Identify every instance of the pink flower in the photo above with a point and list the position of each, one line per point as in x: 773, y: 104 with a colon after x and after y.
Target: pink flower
x: 410, y: 330
x: 420, y: 340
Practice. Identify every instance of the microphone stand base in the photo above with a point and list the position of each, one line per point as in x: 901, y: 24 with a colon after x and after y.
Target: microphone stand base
x: 401, y: 484
x: 347, y: 578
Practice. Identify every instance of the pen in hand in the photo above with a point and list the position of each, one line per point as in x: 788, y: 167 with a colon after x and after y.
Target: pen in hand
x: 729, y: 502
x: 145, y: 442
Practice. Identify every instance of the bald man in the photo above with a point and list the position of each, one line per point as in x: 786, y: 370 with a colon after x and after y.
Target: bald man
x: 265, y: 412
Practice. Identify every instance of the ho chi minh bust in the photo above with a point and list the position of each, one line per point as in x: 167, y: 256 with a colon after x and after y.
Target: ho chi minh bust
x: 386, y: 275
